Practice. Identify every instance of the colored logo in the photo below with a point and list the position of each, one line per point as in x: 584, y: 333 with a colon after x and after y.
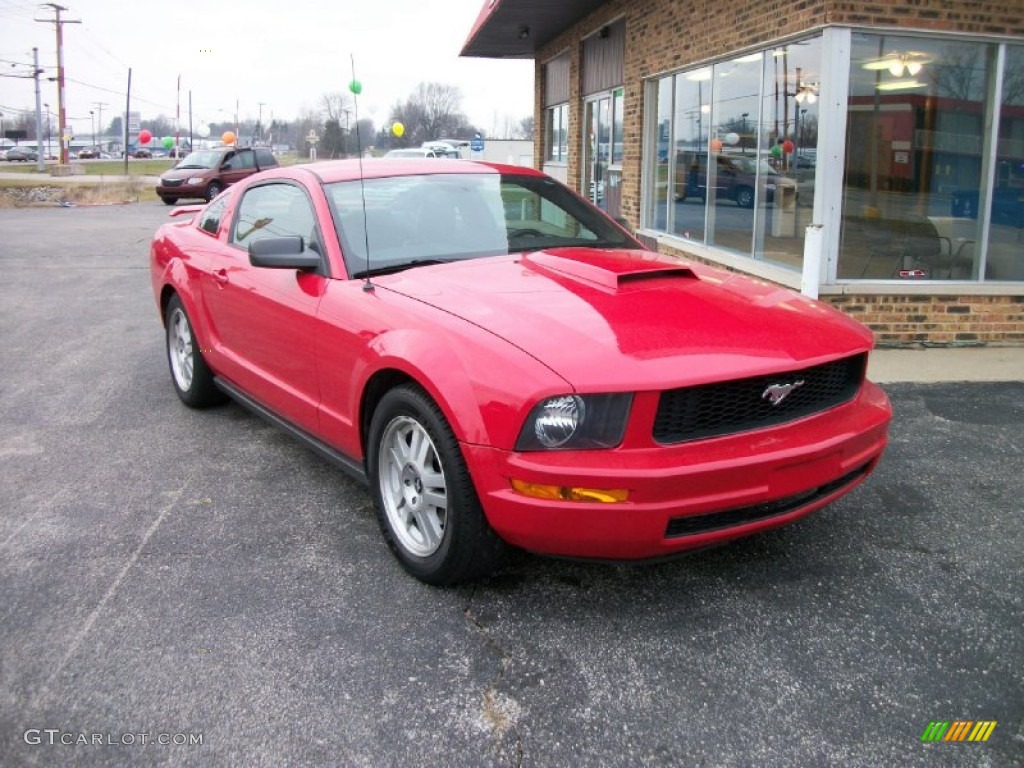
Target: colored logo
x: 958, y: 730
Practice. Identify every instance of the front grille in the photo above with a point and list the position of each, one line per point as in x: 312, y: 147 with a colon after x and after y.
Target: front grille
x: 172, y: 182
x: 724, y: 408
x: 730, y: 518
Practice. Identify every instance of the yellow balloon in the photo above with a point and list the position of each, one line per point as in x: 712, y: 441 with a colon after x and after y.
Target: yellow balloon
x: 398, y: 129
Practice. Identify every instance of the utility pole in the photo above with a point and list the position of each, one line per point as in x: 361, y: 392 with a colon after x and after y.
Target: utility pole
x: 259, y: 124
x: 99, y: 117
x: 59, y: 23
x: 36, y: 72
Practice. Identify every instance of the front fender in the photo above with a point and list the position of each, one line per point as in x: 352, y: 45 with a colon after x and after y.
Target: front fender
x: 484, y: 385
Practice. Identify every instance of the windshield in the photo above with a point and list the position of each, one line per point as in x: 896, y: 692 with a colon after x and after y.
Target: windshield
x: 204, y: 158
x: 411, y: 220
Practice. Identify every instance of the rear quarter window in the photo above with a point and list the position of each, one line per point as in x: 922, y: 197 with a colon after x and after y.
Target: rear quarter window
x: 210, y: 220
x: 265, y: 158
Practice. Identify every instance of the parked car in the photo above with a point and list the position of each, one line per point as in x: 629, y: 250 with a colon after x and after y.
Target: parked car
x: 178, y: 152
x: 142, y: 153
x: 504, y: 365
x: 413, y: 153
x: 22, y: 154
x: 735, y: 177
x: 89, y: 153
x: 204, y: 173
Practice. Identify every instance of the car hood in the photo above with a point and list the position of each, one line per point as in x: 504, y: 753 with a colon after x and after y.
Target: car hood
x: 185, y: 173
x: 621, y: 320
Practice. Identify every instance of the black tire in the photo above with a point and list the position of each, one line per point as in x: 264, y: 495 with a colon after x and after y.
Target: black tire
x: 168, y: 200
x: 212, y: 190
x: 427, y: 506
x: 745, y: 197
x: 190, y: 375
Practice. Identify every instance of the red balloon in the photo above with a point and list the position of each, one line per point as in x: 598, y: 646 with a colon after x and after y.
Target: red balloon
x: 788, y: 147
x: 145, y: 136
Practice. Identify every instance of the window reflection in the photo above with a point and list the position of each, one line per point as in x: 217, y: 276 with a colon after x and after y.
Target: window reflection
x: 789, y: 143
x: 917, y: 162
x: 736, y: 158
x: 1005, y: 256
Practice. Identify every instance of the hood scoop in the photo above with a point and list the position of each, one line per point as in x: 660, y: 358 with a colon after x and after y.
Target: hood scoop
x: 610, y: 270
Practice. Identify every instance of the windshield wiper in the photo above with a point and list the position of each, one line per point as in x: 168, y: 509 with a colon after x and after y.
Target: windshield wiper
x: 390, y: 269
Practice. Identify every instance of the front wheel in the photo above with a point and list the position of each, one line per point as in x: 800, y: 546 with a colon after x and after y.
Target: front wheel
x: 168, y: 200
x: 745, y: 197
x: 192, y: 378
x: 427, y: 506
x: 212, y: 190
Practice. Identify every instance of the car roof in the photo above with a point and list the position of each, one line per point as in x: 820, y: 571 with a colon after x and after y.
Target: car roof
x: 373, y: 168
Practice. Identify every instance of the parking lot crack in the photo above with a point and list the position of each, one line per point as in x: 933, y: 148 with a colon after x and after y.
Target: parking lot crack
x: 496, y: 709
x: 173, y: 497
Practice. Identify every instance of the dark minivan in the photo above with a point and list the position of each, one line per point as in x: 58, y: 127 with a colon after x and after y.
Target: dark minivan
x: 205, y: 172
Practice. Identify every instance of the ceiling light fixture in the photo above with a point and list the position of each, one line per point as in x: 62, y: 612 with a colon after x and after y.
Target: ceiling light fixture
x: 898, y: 64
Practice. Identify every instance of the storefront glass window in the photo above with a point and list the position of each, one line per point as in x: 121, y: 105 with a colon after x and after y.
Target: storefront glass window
x: 1005, y: 256
x: 917, y: 162
x: 738, y: 135
x: 786, y: 140
x: 657, y: 192
x: 689, y: 156
x: 556, y: 124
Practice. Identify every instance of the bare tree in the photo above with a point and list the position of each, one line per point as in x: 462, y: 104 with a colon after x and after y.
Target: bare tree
x: 526, y: 128
x: 433, y: 111
x: 957, y: 73
x: 336, y: 106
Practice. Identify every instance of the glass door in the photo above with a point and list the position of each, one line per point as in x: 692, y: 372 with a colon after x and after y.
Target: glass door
x: 597, y: 149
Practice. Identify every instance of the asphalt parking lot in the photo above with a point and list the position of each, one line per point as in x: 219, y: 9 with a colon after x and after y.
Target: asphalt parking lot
x: 182, y: 577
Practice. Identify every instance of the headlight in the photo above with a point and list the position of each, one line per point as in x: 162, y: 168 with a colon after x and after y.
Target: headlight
x: 195, y: 180
x: 569, y: 422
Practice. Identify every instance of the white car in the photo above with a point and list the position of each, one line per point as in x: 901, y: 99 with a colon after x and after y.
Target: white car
x: 416, y: 153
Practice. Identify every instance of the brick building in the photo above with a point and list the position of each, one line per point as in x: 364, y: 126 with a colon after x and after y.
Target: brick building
x: 869, y: 153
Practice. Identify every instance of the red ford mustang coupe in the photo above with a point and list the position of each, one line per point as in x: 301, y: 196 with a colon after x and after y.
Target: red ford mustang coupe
x: 503, y: 364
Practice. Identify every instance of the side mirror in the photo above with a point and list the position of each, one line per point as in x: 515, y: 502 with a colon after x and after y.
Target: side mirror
x: 287, y: 252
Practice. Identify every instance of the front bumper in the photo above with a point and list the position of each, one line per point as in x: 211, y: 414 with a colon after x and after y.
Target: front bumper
x: 181, y: 191
x: 684, y: 496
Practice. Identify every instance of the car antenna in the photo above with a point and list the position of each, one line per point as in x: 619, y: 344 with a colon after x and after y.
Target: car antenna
x: 356, y: 87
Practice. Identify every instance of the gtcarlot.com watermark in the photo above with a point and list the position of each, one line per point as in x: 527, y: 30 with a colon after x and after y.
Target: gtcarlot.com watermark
x: 56, y: 736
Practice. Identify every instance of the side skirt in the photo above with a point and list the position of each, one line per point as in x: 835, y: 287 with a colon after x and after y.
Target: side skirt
x: 351, y: 467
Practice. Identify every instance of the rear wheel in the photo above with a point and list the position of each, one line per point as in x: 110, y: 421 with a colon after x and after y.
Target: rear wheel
x: 427, y: 506
x: 192, y: 378
x: 212, y: 190
x: 745, y: 197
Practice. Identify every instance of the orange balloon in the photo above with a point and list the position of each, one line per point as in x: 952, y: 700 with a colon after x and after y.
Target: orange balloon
x: 228, y: 137
x: 716, y: 145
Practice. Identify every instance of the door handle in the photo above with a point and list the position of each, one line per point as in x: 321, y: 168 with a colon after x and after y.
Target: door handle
x: 221, y: 276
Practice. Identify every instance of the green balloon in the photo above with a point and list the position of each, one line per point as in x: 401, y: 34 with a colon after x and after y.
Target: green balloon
x: 356, y: 87
x: 776, y: 151
x: 168, y: 142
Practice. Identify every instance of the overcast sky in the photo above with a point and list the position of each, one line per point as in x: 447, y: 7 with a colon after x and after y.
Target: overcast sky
x: 284, y: 53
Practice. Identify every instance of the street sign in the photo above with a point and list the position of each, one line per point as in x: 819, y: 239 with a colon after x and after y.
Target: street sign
x: 476, y: 144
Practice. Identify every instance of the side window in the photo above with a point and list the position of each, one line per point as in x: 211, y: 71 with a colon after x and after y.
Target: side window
x: 265, y: 158
x: 275, y: 210
x: 228, y: 162
x: 244, y: 159
x: 211, y: 217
